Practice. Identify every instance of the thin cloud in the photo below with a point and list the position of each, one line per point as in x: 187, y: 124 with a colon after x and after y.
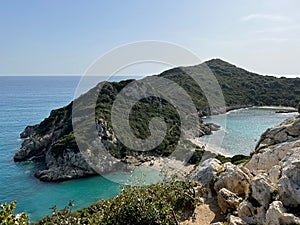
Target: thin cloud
x: 282, y: 29
x: 266, y: 17
x: 274, y: 39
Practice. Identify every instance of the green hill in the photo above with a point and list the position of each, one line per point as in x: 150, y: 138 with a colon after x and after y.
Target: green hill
x: 54, y: 137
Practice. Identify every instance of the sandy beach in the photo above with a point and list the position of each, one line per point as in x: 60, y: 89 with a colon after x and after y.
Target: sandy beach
x: 170, y: 165
x: 274, y: 107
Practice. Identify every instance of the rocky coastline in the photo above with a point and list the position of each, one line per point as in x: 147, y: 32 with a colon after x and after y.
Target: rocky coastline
x: 264, y: 190
x: 71, y: 164
x: 52, y: 141
x: 64, y: 161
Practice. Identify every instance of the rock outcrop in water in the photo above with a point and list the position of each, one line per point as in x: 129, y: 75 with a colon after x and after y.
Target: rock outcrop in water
x: 265, y: 190
x: 62, y: 157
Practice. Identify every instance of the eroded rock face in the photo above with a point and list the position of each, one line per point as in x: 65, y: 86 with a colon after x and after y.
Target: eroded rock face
x: 33, y: 147
x: 40, y: 137
x: 67, y: 166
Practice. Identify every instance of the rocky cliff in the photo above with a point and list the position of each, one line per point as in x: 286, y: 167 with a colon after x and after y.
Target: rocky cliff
x: 266, y: 189
x: 53, y: 140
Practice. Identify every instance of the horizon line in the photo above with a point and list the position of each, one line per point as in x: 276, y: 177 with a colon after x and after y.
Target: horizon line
x: 121, y: 75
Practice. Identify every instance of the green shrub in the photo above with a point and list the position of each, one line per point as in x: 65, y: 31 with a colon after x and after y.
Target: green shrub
x: 236, y: 159
x: 164, y: 203
x: 8, y: 218
x: 196, y: 157
x: 223, y: 159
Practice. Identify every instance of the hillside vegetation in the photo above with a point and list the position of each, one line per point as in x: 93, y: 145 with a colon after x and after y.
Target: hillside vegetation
x: 163, y: 203
x: 240, y: 87
x: 54, y: 135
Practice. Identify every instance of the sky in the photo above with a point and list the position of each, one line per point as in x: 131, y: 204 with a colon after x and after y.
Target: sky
x: 63, y: 37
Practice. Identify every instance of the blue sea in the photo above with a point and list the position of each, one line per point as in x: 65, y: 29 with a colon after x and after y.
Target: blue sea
x: 28, y: 100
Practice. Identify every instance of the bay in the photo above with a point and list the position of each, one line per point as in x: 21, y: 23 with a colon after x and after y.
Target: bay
x: 28, y: 100
x: 241, y: 129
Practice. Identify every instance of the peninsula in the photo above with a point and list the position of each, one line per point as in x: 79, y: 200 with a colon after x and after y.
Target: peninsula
x: 52, y: 141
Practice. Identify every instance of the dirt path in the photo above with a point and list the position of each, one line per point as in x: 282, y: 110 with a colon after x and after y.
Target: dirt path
x: 205, y: 214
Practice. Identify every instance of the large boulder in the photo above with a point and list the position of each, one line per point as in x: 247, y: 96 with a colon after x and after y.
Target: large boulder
x: 276, y: 215
x: 236, y: 181
x: 228, y: 201
x: 262, y: 189
x: 289, y: 183
x: 265, y: 159
x: 286, y: 131
x: 206, y: 172
x: 233, y: 220
x: 246, y: 212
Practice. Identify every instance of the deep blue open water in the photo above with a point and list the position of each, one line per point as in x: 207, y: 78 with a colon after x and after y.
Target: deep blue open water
x: 28, y: 100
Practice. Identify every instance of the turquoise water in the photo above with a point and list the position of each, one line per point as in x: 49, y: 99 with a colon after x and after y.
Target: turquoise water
x: 25, y: 101
x: 28, y: 100
x: 241, y: 129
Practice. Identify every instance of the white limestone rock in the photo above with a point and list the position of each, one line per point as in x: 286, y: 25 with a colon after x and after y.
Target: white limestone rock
x: 289, y: 183
x: 228, y: 201
x: 276, y: 215
x: 261, y: 189
x: 235, y: 181
x: 233, y: 220
x: 246, y: 212
x: 206, y: 171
